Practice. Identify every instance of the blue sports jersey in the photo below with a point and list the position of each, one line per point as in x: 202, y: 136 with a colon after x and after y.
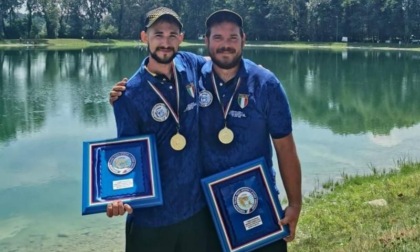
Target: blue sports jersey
x: 259, y: 109
x: 141, y: 111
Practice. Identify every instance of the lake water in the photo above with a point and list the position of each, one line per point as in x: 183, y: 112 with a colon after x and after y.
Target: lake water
x: 352, y: 110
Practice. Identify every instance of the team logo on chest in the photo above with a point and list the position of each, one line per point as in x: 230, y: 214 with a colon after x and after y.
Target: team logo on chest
x: 243, y: 100
x: 206, y: 98
x: 191, y: 89
x: 160, y: 112
x: 245, y: 200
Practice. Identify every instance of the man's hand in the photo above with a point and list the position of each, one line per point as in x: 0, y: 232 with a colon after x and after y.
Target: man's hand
x: 117, y: 90
x: 291, y: 217
x: 117, y: 208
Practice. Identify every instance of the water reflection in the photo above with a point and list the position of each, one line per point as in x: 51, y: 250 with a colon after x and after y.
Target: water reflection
x: 349, y: 92
x: 33, y: 83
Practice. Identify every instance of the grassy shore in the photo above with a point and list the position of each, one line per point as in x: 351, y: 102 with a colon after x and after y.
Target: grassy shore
x: 342, y: 216
x: 85, y: 43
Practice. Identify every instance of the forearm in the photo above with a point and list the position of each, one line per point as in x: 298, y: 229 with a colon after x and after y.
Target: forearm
x: 291, y: 176
x: 290, y: 171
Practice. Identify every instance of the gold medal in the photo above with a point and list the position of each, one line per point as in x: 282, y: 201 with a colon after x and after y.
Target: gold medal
x: 226, y: 135
x: 178, y: 142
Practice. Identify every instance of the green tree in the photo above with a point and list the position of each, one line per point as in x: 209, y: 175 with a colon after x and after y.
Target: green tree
x: 298, y: 20
x: 50, y: 11
x: 75, y: 19
x: 323, y: 18
x: 95, y: 10
x: 31, y: 7
x: 411, y: 10
x: 254, y: 13
x: 10, y: 26
x: 354, y: 15
x: 194, y: 21
x: 107, y: 29
x: 128, y: 16
x: 278, y: 18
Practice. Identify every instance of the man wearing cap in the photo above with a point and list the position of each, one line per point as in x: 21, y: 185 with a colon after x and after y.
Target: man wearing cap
x: 243, y: 109
x: 248, y: 111
x: 161, y: 99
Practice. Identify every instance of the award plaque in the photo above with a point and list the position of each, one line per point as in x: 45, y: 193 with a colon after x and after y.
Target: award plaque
x: 245, y: 206
x: 123, y: 169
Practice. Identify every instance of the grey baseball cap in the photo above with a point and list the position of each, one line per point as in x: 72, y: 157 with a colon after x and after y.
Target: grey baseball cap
x: 155, y: 14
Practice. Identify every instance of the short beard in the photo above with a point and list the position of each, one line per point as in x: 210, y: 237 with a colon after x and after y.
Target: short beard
x: 229, y: 65
x: 160, y: 60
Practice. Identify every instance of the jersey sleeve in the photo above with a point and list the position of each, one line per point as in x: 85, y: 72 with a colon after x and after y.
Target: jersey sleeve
x: 126, y: 117
x: 278, y: 110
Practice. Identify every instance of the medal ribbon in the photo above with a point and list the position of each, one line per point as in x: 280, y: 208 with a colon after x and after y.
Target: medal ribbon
x: 225, y: 111
x: 174, y: 115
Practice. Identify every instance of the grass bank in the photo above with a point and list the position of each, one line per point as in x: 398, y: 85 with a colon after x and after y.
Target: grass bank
x: 74, y: 43
x: 66, y: 43
x: 342, y: 216
x: 85, y: 43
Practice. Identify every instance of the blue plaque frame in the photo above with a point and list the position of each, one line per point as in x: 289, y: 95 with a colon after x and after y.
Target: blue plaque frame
x: 242, y: 230
x: 139, y: 185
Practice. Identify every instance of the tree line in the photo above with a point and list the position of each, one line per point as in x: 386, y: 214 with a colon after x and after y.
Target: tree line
x: 268, y: 20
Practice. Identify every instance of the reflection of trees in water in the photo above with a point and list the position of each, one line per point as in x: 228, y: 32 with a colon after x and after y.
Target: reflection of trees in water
x: 349, y: 92
x: 22, y: 104
x: 34, y: 83
x: 353, y: 92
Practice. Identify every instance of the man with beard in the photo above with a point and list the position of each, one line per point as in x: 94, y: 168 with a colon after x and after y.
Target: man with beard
x: 161, y: 99
x: 243, y: 109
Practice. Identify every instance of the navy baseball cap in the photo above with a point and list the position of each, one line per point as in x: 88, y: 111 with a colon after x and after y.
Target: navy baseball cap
x: 224, y: 15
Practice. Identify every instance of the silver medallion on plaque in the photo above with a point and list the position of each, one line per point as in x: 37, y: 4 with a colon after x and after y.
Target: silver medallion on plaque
x: 245, y: 200
x: 121, y: 163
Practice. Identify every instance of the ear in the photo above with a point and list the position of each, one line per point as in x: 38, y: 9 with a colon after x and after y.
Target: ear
x: 206, y: 40
x: 243, y: 40
x: 143, y: 37
x: 181, y: 37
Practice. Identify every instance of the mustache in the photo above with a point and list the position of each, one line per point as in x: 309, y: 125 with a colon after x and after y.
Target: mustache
x: 226, y: 49
x: 165, y: 48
